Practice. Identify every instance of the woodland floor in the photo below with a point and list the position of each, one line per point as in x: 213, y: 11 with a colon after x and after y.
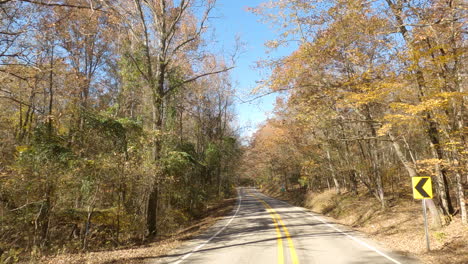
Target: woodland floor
x: 400, y: 227
x: 139, y: 254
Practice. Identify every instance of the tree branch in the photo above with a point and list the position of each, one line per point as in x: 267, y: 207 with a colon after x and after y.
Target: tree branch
x: 22, y: 103
x: 21, y: 207
x: 60, y: 4
x: 199, y: 31
x: 265, y: 94
x: 13, y: 74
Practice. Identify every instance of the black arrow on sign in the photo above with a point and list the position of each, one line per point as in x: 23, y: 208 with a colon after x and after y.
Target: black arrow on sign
x: 419, y: 187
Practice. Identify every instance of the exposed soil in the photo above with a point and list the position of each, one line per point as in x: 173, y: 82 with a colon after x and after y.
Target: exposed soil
x: 400, y: 227
x: 139, y: 254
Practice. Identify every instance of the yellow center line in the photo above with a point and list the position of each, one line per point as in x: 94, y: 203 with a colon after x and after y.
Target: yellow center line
x: 278, y: 234
x: 279, y: 239
x: 294, y: 258
x: 276, y: 219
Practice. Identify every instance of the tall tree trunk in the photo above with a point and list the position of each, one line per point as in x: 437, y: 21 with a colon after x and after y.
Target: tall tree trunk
x: 29, y: 116
x: 51, y: 92
x: 442, y: 190
x: 351, y: 168
x: 461, y: 197
x: 436, y: 220
x: 375, y: 156
x: 219, y: 180
x: 152, y: 205
x: 354, y: 182
x: 151, y: 211
x: 432, y: 131
x: 333, y: 174
x: 43, y: 217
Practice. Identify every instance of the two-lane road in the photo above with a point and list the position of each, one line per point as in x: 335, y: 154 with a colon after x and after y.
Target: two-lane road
x: 265, y: 230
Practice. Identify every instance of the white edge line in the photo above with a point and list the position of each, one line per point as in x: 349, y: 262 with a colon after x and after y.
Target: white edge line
x: 362, y: 243
x: 213, y: 236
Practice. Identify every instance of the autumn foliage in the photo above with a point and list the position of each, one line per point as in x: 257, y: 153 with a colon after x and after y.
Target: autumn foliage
x: 375, y: 92
x: 115, y: 123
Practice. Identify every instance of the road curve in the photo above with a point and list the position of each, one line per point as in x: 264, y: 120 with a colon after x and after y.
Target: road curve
x: 266, y: 230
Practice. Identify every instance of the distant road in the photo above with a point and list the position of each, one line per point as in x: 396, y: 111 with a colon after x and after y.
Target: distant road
x: 266, y: 230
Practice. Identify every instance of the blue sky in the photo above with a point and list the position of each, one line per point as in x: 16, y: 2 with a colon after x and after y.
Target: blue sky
x: 234, y: 21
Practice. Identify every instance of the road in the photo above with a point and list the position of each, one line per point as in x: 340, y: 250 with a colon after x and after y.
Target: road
x: 266, y: 230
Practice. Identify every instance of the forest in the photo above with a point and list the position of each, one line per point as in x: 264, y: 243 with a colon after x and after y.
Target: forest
x: 118, y: 125
x: 115, y: 124
x: 374, y: 94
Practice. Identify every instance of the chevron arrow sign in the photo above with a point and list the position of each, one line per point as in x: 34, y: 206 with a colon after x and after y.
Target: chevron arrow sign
x: 422, y: 187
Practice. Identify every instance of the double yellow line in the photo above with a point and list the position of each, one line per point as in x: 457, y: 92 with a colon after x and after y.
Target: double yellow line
x: 278, y: 222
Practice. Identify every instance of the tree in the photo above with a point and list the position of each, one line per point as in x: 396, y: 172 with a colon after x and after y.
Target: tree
x: 179, y: 34
x: 103, y: 129
x: 367, y: 86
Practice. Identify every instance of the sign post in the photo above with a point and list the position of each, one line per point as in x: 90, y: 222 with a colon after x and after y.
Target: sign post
x: 422, y: 189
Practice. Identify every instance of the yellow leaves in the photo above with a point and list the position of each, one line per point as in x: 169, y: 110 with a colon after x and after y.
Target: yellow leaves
x: 22, y: 148
x: 455, y: 95
x: 456, y: 146
x: 364, y: 93
x: 429, y: 162
x: 405, y: 113
x: 384, y: 129
x: 397, y: 118
x: 308, y: 167
x: 359, y: 99
x: 92, y: 162
x: 428, y: 166
x: 400, y: 106
x: 427, y: 105
x: 310, y: 164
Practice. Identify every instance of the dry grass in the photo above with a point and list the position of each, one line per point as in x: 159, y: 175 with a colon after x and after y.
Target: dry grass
x: 399, y: 227
x: 153, y: 250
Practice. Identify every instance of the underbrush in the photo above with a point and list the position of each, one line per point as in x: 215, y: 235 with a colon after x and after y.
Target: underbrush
x: 108, y: 229
x: 141, y: 252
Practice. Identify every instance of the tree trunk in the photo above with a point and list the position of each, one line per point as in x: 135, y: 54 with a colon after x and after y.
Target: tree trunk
x: 354, y: 183
x: 351, y: 167
x: 87, y: 227
x: 436, y: 220
x: 432, y: 131
x: 375, y: 157
x: 51, y: 93
x: 218, y: 174
x: 461, y: 197
x: 333, y: 174
x: 442, y: 185
x: 44, y: 222
x: 152, y: 210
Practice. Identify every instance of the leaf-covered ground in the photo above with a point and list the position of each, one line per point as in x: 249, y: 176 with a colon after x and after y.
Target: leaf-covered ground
x: 139, y: 254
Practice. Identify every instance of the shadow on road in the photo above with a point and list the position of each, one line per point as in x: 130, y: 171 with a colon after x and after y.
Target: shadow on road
x: 253, y: 226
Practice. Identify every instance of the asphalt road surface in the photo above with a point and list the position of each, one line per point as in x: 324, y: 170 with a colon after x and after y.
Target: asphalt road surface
x: 266, y: 230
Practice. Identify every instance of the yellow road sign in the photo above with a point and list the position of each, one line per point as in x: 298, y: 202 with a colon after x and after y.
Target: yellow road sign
x: 422, y: 187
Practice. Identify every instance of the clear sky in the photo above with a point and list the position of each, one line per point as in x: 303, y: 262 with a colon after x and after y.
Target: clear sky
x: 234, y: 21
